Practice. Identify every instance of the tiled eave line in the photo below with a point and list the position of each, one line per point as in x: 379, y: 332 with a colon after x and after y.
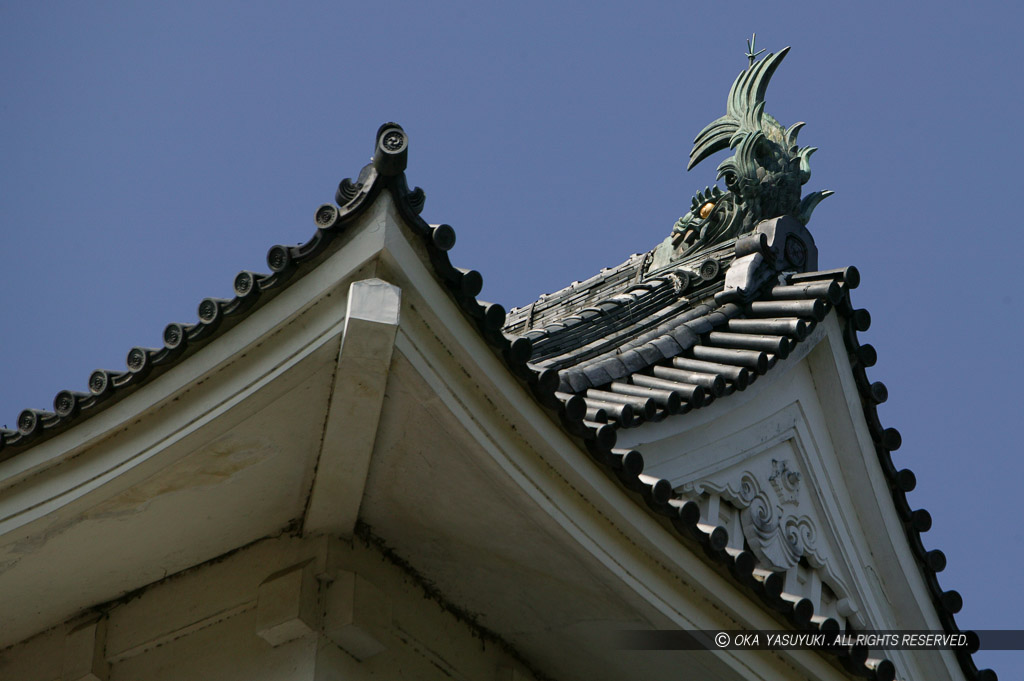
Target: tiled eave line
x: 711, y: 351
x: 574, y: 412
x: 603, y: 417
x: 386, y: 171
x: 901, y: 481
x: 217, y: 315
x: 596, y: 410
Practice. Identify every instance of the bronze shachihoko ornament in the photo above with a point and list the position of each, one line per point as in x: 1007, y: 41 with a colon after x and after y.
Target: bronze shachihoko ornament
x: 763, y: 178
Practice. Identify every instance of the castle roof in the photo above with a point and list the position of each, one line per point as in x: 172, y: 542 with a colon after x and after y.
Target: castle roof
x: 642, y: 342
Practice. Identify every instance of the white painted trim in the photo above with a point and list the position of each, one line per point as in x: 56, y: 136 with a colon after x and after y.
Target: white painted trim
x: 568, y: 486
x: 353, y: 412
x: 120, y: 446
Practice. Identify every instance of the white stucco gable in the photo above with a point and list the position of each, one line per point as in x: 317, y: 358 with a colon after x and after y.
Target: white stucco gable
x: 788, y: 467
x: 354, y: 433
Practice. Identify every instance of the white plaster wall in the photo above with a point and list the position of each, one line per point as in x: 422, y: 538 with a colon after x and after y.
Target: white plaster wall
x: 227, y: 651
x: 211, y: 622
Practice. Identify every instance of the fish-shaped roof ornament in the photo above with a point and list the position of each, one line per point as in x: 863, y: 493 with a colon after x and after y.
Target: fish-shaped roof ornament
x: 763, y: 178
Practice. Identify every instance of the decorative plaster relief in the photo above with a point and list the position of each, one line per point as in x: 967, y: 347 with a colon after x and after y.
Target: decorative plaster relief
x: 779, y: 521
x: 776, y: 513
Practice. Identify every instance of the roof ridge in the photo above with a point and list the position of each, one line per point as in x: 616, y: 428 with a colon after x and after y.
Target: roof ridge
x: 754, y: 320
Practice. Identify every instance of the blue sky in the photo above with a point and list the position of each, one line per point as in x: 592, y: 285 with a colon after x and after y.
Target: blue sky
x: 150, y: 152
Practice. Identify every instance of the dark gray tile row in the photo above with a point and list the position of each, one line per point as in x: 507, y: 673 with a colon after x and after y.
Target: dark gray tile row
x: 694, y: 354
x: 733, y: 351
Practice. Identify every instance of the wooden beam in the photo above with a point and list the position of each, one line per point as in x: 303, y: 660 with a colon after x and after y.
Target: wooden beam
x: 356, y: 400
